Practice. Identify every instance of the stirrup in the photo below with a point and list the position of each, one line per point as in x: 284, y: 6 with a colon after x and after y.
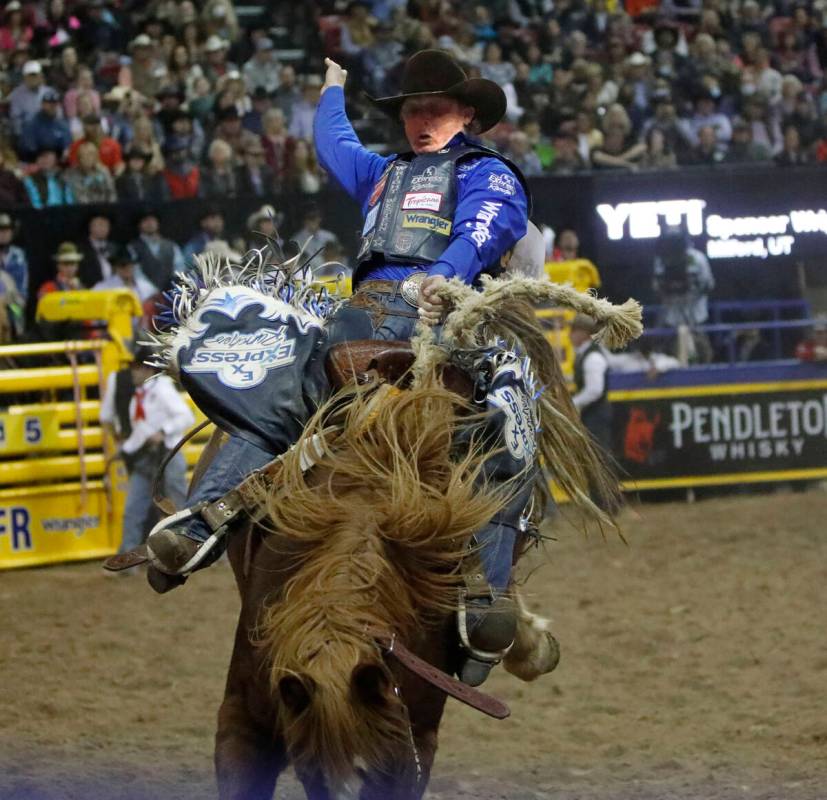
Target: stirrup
x: 492, y: 657
x: 203, y: 550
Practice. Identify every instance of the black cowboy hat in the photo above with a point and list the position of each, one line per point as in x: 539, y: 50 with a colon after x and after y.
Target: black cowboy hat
x: 434, y: 72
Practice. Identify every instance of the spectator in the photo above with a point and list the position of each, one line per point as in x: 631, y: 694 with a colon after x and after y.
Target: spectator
x: 540, y: 143
x: 158, y: 258
x: 182, y: 72
x: 127, y: 275
x: 45, y: 185
x: 182, y: 175
x: 265, y: 222
x: 229, y: 129
x: 261, y: 103
x: 303, y: 173
x: 184, y: 126
x: 231, y: 90
x: 380, y: 59
x: 146, y: 70
x: 211, y: 223
x: 116, y: 116
x: 12, y: 191
x: 84, y: 86
x: 618, y: 150
x: 567, y: 158
x: 109, y: 151
x: 742, y: 150
x: 65, y: 73
x: 566, y: 246
x: 255, y: 178
x: 97, y: 251
x: 494, y: 68
x: 170, y: 100
x: 707, y: 115
x: 262, y: 70
x: 217, y: 65
x: 791, y: 155
x: 219, y: 19
x: 288, y: 94
x: 15, y: 30
x: 137, y: 184
x: 278, y: 144
x: 708, y: 150
x: 13, y: 260
x: 89, y: 180
x: 814, y: 347
x: 66, y: 278
x: 312, y: 238
x: 659, y: 154
x: 26, y: 99
x: 219, y: 178
x: 304, y: 111
x: 45, y: 129
x: 763, y: 124
x: 143, y: 139
x: 520, y: 152
x: 682, y: 281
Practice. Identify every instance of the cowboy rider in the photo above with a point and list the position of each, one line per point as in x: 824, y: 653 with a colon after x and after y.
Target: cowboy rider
x: 451, y: 208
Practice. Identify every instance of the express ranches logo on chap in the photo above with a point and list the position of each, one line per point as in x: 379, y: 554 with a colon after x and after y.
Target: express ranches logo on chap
x: 242, y: 360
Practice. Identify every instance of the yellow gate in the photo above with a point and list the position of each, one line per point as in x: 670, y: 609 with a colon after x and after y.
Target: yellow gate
x: 61, y: 490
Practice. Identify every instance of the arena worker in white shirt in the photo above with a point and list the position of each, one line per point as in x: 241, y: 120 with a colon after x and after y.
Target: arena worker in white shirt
x: 147, y: 418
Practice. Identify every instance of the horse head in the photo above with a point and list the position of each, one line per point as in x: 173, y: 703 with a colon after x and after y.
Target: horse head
x: 379, y: 527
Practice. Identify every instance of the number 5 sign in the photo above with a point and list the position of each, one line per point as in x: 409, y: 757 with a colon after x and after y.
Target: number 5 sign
x: 22, y: 433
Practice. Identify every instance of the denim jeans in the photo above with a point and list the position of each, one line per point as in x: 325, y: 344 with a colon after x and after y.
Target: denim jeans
x: 364, y: 317
x: 140, y: 508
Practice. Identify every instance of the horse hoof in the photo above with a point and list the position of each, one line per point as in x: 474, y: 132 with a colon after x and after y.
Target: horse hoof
x: 541, y: 659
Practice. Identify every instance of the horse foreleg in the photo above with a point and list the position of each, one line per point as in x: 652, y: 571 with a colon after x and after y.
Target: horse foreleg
x: 314, y: 785
x: 248, y: 756
x: 248, y: 759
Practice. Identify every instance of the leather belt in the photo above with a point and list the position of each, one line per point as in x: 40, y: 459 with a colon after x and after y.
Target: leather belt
x: 407, y: 289
x: 391, y: 646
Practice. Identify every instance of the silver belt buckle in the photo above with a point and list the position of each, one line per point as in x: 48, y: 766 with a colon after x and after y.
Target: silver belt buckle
x: 410, y: 288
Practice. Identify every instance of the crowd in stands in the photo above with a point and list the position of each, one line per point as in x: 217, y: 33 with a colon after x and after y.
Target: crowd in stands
x: 109, y: 101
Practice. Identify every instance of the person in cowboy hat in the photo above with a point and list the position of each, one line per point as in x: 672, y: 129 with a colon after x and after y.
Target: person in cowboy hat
x: 449, y: 208
x: 67, y: 258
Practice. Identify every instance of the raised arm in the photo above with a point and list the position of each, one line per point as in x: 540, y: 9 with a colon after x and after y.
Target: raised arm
x: 337, y: 146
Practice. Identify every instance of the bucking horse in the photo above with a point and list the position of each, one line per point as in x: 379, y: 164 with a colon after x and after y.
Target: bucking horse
x: 352, y: 550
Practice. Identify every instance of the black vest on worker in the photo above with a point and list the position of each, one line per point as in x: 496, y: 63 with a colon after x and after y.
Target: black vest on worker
x: 411, y: 211
x: 596, y: 416
x: 124, y: 390
x: 158, y: 268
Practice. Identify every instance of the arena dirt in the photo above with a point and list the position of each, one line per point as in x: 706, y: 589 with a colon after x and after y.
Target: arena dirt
x: 694, y: 666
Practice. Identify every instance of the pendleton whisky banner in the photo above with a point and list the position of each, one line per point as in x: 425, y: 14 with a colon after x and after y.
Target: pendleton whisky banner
x: 721, y: 434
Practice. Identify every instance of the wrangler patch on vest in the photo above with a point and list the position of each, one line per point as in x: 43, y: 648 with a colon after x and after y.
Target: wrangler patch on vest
x: 430, y: 222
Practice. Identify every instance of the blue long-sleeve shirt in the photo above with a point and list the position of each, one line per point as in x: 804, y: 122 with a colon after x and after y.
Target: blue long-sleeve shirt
x: 492, y: 209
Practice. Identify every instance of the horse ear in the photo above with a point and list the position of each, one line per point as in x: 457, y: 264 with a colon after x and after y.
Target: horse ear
x: 371, y: 684
x: 296, y: 692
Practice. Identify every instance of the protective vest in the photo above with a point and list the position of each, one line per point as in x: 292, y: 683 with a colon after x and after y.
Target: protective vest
x: 158, y: 268
x: 594, y: 347
x: 411, y: 211
x: 124, y: 390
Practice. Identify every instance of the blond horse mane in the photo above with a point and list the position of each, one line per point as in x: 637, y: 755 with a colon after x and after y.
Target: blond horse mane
x: 378, y: 528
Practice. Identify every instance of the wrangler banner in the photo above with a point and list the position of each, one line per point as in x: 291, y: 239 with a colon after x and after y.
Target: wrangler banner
x: 707, y: 435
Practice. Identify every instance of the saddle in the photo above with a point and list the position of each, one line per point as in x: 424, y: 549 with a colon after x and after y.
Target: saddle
x: 364, y: 360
